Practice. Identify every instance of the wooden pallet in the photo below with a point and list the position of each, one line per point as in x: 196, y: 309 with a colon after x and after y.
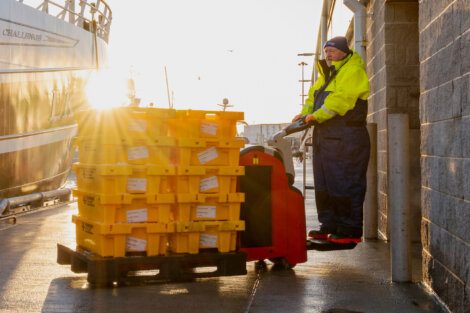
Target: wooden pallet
x: 106, y: 271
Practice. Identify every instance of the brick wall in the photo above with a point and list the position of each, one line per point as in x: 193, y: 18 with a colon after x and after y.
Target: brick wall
x: 444, y: 28
x: 393, y: 68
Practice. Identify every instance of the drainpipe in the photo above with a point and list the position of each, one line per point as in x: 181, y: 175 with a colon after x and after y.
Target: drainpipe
x: 399, y: 196
x: 359, y: 25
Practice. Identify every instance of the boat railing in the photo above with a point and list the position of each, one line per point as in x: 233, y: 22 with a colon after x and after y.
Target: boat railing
x: 94, y: 16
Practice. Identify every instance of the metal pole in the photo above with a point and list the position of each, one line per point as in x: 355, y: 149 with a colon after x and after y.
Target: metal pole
x: 302, y: 64
x: 399, y: 198
x: 304, y: 172
x: 168, y: 90
x: 370, y: 204
x: 97, y: 58
x: 72, y: 11
x: 303, y: 89
x: 45, y: 6
x: 324, y: 25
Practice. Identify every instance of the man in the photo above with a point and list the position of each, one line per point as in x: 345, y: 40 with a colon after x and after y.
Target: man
x: 337, y: 106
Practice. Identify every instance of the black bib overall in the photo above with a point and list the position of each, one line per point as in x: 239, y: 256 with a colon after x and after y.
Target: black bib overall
x: 341, y: 149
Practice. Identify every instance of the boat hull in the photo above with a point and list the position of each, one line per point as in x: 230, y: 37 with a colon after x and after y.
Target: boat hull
x: 45, y: 64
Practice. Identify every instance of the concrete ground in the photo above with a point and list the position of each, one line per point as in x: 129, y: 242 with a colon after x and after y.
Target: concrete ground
x: 329, y: 282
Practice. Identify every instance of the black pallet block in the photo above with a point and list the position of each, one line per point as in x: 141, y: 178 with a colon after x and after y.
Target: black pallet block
x: 323, y: 245
x: 175, y: 267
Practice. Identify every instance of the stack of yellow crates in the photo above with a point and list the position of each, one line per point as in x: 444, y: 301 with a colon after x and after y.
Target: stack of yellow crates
x: 207, y: 210
x: 125, y: 181
x: 153, y: 181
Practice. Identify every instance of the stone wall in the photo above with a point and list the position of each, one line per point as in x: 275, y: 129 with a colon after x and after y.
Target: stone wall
x: 377, y: 101
x: 393, y: 68
x: 444, y: 28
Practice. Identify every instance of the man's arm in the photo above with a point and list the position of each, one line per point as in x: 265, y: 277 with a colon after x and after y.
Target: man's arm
x: 349, y: 86
x: 308, y: 106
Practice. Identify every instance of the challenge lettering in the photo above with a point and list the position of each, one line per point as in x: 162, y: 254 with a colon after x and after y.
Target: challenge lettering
x: 22, y: 35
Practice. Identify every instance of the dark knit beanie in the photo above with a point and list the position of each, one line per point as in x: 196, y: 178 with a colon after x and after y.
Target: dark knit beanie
x: 339, y: 42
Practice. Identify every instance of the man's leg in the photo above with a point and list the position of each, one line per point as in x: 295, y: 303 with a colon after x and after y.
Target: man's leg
x: 350, y: 204
x: 325, y: 207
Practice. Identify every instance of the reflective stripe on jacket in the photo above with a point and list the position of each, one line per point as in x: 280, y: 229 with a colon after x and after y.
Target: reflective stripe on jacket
x: 349, y: 85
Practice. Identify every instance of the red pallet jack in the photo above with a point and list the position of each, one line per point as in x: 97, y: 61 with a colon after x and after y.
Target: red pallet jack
x: 274, y: 211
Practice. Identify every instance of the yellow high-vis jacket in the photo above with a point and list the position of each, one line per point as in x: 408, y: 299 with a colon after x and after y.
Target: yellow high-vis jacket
x: 349, y: 85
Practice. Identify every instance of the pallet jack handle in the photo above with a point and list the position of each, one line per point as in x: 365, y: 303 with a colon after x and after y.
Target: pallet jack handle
x: 283, y: 146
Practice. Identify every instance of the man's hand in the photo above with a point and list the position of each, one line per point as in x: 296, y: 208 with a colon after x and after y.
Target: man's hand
x: 297, y: 117
x: 309, y: 118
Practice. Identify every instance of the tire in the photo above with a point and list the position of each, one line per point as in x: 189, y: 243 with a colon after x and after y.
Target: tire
x: 282, y: 263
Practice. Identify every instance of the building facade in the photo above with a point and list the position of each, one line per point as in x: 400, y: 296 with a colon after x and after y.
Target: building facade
x: 418, y: 61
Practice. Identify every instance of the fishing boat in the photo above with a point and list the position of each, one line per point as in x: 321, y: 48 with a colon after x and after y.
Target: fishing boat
x: 48, y: 50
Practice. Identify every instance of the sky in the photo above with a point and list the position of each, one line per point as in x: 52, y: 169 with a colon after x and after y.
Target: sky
x: 244, y: 50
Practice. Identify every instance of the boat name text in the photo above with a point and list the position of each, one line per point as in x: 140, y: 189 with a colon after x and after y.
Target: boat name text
x: 22, y: 35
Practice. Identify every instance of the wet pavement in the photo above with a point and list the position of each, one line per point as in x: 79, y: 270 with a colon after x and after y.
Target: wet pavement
x: 329, y: 282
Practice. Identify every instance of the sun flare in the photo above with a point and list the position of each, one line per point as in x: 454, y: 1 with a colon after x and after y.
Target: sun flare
x: 107, y: 88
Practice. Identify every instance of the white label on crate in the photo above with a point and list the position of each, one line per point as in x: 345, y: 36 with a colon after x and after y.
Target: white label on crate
x: 136, y: 153
x: 137, y: 216
x: 138, y: 126
x: 205, y: 211
x: 208, y: 183
x: 137, y: 184
x: 207, y: 155
x: 209, y: 128
x: 208, y: 241
x: 135, y: 244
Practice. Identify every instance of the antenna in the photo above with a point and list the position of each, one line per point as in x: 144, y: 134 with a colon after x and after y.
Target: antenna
x: 225, y: 104
x: 170, y: 105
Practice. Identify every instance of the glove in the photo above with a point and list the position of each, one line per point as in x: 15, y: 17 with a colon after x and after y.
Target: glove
x: 309, y: 118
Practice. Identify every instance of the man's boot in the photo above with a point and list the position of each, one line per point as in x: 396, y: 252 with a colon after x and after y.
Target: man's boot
x: 346, y: 235
x: 322, y: 233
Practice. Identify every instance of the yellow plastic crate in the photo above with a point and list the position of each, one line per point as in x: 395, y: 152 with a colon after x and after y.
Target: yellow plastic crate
x: 125, y: 208
x: 119, y: 240
x: 207, y: 207
x: 92, y: 152
x: 124, y: 123
x: 157, y: 151
x: 119, y: 179
x: 190, y: 237
x: 209, y: 152
x: 205, y: 124
x: 202, y: 197
x: 207, y: 179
